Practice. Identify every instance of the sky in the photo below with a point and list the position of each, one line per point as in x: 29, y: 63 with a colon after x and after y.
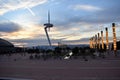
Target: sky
x: 75, y: 21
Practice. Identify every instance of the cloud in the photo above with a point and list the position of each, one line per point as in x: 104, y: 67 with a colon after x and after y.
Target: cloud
x: 38, y: 41
x: 100, y: 15
x: 29, y: 42
x: 79, y: 41
x: 10, y: 5
x: 9, y: 27
x: 108, y: 15
x: 25, y: 32
x: 86, y: 7
x: 71, y: 27
x: 105, y: 16
x: 88, y: 25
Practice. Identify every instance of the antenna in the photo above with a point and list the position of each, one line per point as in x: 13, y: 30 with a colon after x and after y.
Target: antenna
x: 48, y: 17
x: 48, y: 20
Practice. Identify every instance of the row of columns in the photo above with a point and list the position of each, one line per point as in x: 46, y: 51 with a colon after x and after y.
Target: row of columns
x: 97, y: 41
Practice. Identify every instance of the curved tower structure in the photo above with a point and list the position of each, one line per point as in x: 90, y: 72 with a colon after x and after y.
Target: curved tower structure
x: 48, y: 26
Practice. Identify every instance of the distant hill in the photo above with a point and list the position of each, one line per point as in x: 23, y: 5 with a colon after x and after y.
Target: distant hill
x: 53, y: 47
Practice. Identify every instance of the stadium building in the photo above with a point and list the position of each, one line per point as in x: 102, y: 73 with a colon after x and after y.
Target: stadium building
x: 6, y: 46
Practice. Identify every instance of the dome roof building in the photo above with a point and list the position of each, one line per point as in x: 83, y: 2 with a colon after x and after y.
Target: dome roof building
x: 5, y: 43
x: 6, y: 46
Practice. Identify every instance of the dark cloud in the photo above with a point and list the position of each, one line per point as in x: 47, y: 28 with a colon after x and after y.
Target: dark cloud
x: 109, y: 13
x: 102, y: 17
x: 9, y: 27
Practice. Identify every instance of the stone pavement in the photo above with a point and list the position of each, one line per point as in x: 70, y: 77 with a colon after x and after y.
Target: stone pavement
x: 75, y: 69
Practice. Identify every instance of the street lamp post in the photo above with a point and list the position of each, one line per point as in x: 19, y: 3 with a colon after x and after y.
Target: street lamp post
x: 98, y: 41
x: 102, y: 39
x: 114, y: 39
x: 107, y: 41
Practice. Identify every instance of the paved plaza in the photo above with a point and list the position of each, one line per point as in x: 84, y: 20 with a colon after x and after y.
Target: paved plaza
x: 21, y: 68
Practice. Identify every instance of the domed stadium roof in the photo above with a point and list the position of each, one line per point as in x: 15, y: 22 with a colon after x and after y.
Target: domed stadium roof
x: 4, y: 43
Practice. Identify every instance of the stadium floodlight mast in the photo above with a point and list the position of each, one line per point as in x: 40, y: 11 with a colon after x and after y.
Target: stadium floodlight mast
x: 48, y: 26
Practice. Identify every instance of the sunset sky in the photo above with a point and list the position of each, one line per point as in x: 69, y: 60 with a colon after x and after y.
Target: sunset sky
x: 75, y: 21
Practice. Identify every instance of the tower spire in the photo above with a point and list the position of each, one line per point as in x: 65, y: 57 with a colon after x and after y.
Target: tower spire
x: 48, y: 16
